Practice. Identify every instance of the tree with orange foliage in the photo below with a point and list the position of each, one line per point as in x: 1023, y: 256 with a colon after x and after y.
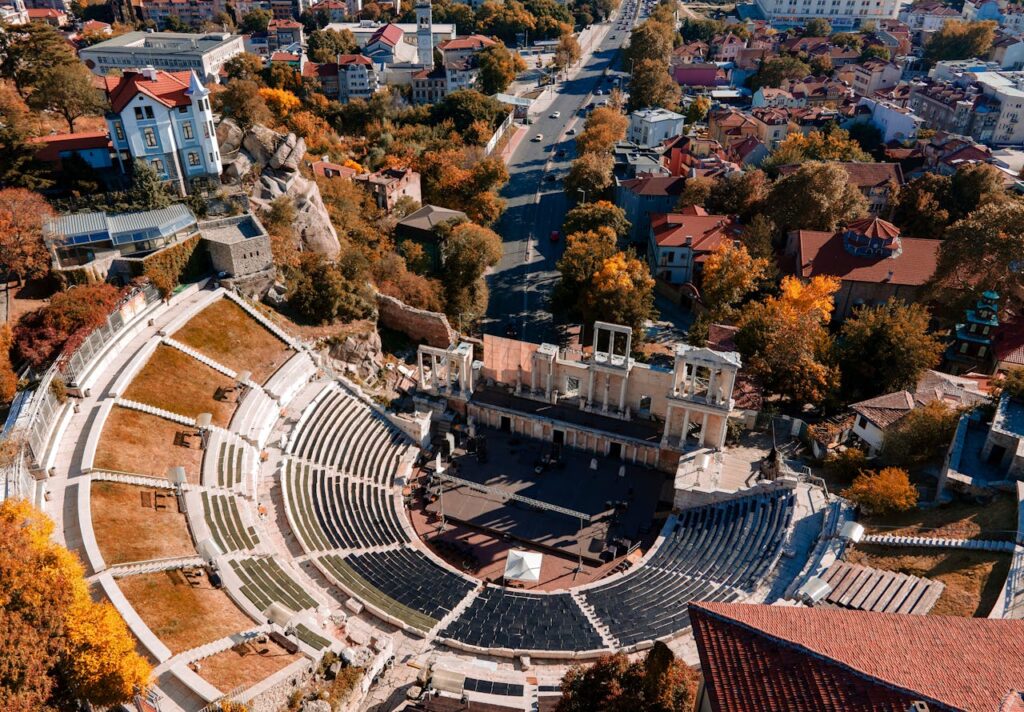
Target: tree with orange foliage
x: 730, y: 275
x: 785, y: 340
x: 621, y: 292
x: 8, y: 378
x: 882, y: 492
x: 603, y: 129
x: 59, y: 647
x: 280, y: 101
x: 22, y: 216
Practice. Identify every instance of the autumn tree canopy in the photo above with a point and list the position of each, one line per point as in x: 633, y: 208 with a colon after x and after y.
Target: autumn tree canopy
x: 816, y: 196
x: 593, y: 216
x: 882, y: 492
x: 43, y: 333
x: 22, y: 217
x: 785, y: 340
x: 58, y: 646
x: 730, y: 275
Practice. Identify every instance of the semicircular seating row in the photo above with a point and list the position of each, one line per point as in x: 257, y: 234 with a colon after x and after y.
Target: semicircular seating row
x: 718, y: 552
x: 341, y: 432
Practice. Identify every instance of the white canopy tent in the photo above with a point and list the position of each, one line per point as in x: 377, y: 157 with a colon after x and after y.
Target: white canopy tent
x: 523, y: 565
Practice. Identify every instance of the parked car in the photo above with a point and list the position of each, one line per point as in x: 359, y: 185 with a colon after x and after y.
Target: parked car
x: 555, y: 114
x: 554, y: 236
x: 570, y: 132
x: 538, y: 138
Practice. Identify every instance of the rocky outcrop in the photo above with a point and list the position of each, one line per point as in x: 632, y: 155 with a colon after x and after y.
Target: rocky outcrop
x: 276, y: 158
x: 362, y: 352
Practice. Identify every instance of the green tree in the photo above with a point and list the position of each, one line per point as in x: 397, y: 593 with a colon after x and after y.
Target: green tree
x: 325, y: 45
x: 742, y: 193
x: 498, y: 68
x: 699, y: 29
x: 148, y: 192
x: 959, y: 40
x: 922, y: 208
x: 816, y: 196
x: 696, y: 191
x: 650, y: 40
x: 922, y: 435
x: 568, y: 51
x: 875, y: 51
x: 241, y: 101
x: 590, y: 176
x: 505, y: 20
x: 983, y: 251
x: 591, y: 216
x: 321, y: 292
x: 774, y: 71
x: 974, y: 185
x: 651, y: 85
x: 28, y: 52
x: 698, y: 109
x: 466, y: 106
x: 659, y: 683
x: 757, y: 236
x: 67, y: 89
x: 255, y: 21
x: 245, y: 66
x: 817, y: 27
x: 886, y: 348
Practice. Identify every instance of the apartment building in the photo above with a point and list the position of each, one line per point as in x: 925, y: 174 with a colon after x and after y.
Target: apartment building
x: 842, y: 14
x: 202, y: 53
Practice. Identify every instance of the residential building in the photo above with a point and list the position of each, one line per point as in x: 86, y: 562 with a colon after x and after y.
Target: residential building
x: 429, y: 85
x: 49, y: 16
x: 93, y: 147
x: 800, y: 659
x: 350, y: 76
x: 896, y: 123
x: 690, y: 156
x: 986, y: 105
x: 364, y: 30
x: 283, y: 33
x: 462, y: 48
x: 1008, y: 52
x: 14, y: 14
x: 166, y: 120
x: 191, y: 12
x: 421, y: 226
x: 772, y: 126
x: 641, y: 196
x: 205, y: 54
x: 928, y: 16
x: 726, y: 46
x: 338, y: 10
x: 875, y: 75
x: 751, y: 151
x: 95, y: 27
x: 651, y: 127
x: 698, y: 74
x: 632, y: 161
x: 875, y: 417
x: 842, y: 14
x: 817, y: 91
x: 390, y: 185
x: 774, y: 98
x: 388, y: 46
x: 874, y: 262
x: 729, y: 126
x: 327, y: 169
x: 678, y: 243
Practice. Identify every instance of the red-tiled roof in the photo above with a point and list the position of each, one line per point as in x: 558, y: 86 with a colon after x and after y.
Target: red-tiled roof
x: 862, y: 175
x: 326, y: 169
x: 95, y: 26
x: 52, y: 146
x: 795, y: 659
x: 655, y: 185
x: 43, y: 13
x: 823, y: 253
x: 1008, y: 344
x: 169, y: 88
x: 875, y: 227
x: 705, y: 232
x: 346, y: 59
x: 468, y: 42
x: 284, y: 25
x: 284, y: 57
x: 389, y: 33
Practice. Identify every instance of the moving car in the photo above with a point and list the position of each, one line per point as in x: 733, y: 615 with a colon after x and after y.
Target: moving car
x: 555, y: 114
x: 570, y: 132
x: 538, y: 138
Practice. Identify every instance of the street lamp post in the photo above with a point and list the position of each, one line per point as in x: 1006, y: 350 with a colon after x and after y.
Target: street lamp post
x: 581, y: 190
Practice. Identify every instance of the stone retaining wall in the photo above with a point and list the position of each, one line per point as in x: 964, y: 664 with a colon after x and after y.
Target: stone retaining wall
x: 418, y: 324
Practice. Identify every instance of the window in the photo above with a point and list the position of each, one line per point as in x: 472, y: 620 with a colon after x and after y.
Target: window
x: 150, y: 137
x: 186, y: 130
x: 149, y: 112
x: 119, y: 130
x: 193, y: 158
x: 138, y: 113
x: 863, y: 423
x: 158, y: 166
x: 182, y: 109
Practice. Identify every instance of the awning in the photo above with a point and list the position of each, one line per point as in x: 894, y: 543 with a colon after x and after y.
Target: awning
x: 523, y: 565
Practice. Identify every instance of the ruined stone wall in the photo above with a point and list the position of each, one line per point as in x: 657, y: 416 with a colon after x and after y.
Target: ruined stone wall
x: 418, y: 324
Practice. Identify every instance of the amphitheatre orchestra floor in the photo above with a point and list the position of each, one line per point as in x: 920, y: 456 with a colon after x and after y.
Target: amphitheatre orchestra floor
x: 510, y: 466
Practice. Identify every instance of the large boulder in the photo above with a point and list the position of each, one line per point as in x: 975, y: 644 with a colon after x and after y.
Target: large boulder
x: 260, y: 143
x: 239, y: 167
x: 229, y: 137
x: 288, y: 154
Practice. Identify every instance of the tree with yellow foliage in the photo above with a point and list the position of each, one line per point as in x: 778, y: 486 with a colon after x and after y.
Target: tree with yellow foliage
x: 882, y: 492
x: 830, y: 145
x: 785, y: 341
x: 58, y: 646
x: 280, y: 101
x: 621, y: 292
x: 730, y: 275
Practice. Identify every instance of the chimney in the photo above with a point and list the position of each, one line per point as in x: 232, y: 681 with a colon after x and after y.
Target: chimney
x: 149, y: 72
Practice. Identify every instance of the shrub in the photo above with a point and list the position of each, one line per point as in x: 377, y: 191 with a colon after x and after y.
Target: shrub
x: 846, y: 464
x: 42, y: 334
x: 921, y: 435
x: 882, y: 492
x: 168, y: 268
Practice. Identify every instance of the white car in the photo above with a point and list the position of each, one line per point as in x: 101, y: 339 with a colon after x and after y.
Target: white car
x: 538, y: 138
x: 555, y: 114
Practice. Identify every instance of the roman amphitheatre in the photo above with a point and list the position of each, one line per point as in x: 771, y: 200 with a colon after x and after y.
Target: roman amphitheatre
x: 248, y: 510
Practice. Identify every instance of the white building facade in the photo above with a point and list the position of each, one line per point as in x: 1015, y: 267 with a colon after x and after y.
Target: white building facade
x: 841, y: 14
x: 165, y: 120
x: 650, y: 127
x: 204, y: 54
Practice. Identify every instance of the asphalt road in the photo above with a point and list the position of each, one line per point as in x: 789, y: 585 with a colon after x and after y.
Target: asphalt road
x: 520, y: 285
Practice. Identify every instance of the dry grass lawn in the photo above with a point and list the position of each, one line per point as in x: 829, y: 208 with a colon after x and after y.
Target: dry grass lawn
x: 245, y: 665
x: 175, y: 381
x: 181, y: 615
x: 126, y: 531
x: 144, y: 444
x: 225, y: 333
x: 958, y: 520
x: 973, y: 579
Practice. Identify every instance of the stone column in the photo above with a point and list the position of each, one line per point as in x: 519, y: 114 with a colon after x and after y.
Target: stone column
x: 686, y: 427
x: 622, y: 393
x: 668, y: 422
x: 551, y: 375
x: 433, y: 371
x: 703, y: 429
x: 533, y: 377
x: 604, y: 392
x: 590, y: 386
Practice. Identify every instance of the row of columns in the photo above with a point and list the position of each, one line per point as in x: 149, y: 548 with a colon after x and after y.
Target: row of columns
x: 605, y: 391
x: 717, y: 377
x: 702, y: 439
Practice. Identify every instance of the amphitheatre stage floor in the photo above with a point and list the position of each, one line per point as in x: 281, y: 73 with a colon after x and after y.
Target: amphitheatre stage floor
x: 571, y: 484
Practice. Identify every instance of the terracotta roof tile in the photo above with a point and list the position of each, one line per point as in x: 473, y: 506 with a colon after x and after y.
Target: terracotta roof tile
x: 823, y: 253
x: 706, y: 232
x: 52, y: 146
x: 655, y: 185
x: 169, y: 88
x: 796, y: 659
